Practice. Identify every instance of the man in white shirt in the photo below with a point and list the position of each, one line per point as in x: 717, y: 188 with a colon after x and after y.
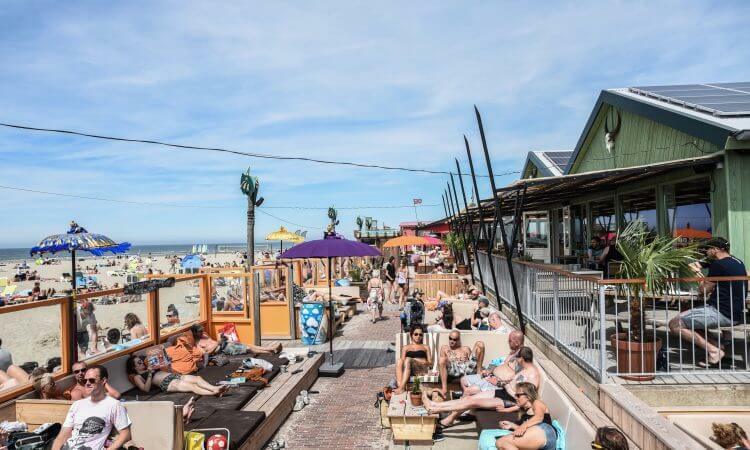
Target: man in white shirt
x: 90, y: 420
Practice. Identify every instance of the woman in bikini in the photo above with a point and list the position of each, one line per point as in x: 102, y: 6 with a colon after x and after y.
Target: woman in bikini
x: 145, y: 379
x: 534, y: 430
x: 401, y: 279
x: 415, y: 359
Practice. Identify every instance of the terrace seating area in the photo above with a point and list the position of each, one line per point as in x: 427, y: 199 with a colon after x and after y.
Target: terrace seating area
x: 579, y: 432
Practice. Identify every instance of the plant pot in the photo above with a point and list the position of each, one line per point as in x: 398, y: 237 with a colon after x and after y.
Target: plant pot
x: 415, y: 399
x: 638, y: 357
x: 462, y: 269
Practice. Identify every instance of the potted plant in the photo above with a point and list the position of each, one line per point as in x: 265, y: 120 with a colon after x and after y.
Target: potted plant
x: 651, y: 260
x: 416, y: 393
x: 457, y: 243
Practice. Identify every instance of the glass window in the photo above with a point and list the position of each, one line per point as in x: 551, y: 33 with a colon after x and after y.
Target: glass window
x: 228, y: 293
x: 111, y: 323
x: 537, y: 230
x: 603, y: 222
x: 689, y: 209
x: 578, y: 226
x: 641, y: 206
x: 273, y: 284
x: 179, y: 305
x: 31, y: 338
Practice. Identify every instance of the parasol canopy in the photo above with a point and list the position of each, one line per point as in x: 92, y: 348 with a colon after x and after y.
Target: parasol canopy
x: 432, y: 240
x: 333, y: 246
x: 282, y: 234
x: 93, y: 243
x: 692, y: 233
x: 405, y: 241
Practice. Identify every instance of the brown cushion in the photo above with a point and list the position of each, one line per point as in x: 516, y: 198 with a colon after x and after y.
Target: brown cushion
x: 239, y: 423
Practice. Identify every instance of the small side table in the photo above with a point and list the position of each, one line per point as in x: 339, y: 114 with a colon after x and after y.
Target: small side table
x: 409, y: 423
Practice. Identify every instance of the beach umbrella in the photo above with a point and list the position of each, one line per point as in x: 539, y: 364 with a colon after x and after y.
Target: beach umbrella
x: 331, y: 246
x: 432, y: 240
x: 282, y: 234
x: 406, y: 241
x: 692, y: 233
x: 77, y: 239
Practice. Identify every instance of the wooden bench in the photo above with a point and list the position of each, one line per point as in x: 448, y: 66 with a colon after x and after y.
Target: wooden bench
x: 410, y: 424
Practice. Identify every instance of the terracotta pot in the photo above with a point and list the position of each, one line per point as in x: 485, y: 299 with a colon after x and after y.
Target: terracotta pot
x: 635, y: 357
x: 415, y: 399
x: 462, y: 269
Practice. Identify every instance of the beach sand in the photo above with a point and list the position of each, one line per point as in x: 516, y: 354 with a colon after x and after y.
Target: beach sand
x: 34, y: 335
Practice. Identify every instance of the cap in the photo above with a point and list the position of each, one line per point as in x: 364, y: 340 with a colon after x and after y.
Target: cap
x: 717, y: 242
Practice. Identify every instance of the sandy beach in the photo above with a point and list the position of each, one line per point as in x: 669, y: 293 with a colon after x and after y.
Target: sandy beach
x: 34, y: 335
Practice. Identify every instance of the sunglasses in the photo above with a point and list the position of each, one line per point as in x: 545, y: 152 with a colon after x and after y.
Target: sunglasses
x: 90, y: 380
x: 521, y: 394
x: 452, y: 339
x: 79, y: 371
x: 417, y: 334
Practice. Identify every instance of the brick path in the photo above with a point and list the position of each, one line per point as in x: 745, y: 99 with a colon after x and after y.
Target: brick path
x: 342, y: 415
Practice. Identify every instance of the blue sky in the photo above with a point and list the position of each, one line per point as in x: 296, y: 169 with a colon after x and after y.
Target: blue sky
x: 374, y: 82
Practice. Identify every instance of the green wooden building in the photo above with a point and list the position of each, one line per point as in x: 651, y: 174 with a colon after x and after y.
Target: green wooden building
x: 676, y: 157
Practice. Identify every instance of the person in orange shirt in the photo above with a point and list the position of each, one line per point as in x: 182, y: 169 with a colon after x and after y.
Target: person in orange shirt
x: 186, y: 357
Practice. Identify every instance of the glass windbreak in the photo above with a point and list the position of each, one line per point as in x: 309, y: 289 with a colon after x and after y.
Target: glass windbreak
x: 273, y: 284
x: 579, y: 240
x: 689, y: 210
x: 110, y: 323
x: 228, y: 293
x: 308, y: 269
x: 641, y: 206
x: 179, y: 305
x: 536, y: 231
x: 30, y: 340
x: 603, y: 223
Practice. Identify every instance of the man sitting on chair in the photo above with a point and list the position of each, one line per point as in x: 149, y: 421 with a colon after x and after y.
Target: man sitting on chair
x: 458, y: 360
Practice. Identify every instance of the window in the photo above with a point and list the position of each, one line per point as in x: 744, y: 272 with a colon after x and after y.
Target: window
x: 578, y: 226
x: 110, y: 323
x: 228, y: 293
x: 641, y: 206
x: 179, y: 305
x: 536, y: 231
x: 689, y: 209
x: 603, y: 222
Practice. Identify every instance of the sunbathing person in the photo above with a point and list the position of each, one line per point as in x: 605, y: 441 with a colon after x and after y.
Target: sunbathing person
x: 445, y: 321
x: 489, y: 380
x: 533, y: 430
x: 135, y: 327
x: 502, y: 397
x: 496, y: 324
x: 44, y: 385
x: 415, y: 359
x: 14, y: 376
x: 144, y: 379
x: 476, y: 319
x: 212, y: 347
x: 78, y: 390
x: 458, y: 360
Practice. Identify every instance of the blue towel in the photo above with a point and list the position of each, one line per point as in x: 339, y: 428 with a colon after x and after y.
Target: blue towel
x: 560, y: 435
x: 488, y: 437
x: 497, y: 361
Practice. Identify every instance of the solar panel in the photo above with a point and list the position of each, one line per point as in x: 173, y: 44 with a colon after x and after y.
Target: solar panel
x: 718, y: 99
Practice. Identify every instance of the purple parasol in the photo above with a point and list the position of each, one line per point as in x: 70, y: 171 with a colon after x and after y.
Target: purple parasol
x: 331, y: 246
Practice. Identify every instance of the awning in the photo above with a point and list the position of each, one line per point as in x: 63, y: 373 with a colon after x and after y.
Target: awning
x: 546, y: 191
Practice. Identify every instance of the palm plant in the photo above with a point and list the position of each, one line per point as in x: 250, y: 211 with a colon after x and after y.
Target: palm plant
x: 652, y: 260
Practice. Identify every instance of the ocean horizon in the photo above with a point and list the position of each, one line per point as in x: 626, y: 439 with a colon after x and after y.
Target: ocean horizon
x: 21, y: 253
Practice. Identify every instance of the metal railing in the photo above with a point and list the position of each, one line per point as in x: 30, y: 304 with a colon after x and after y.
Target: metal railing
x: 591, y: 320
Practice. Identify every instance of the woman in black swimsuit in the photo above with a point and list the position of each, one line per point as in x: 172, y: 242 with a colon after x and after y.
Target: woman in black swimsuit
x: 534, y: 430
x: 415, y: 359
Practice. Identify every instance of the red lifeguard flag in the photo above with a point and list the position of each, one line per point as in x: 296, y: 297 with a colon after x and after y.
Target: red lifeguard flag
x: 417, y: 201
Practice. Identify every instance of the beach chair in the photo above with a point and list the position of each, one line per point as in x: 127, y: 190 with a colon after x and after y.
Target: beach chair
x: 9, y: 290
x: 3, y: 281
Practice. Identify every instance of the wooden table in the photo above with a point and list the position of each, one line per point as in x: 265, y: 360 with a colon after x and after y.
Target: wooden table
x: 411, y: 424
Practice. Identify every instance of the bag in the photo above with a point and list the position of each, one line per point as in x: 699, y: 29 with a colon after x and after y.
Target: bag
x: 382, y: 404
x: 194, y: 440
x: 156, y: 358
x: 230, y: 331
x: 254, y: 374
x: 249, y: 363
x: 488, y: 438
x: 218, y: 360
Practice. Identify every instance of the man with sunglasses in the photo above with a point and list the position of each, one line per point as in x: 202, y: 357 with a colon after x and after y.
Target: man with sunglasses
x: 78, y: 390
x: 90, y: 420
x: 458, y: 360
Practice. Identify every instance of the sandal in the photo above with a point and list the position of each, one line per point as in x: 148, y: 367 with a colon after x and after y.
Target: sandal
x: 299, y: 403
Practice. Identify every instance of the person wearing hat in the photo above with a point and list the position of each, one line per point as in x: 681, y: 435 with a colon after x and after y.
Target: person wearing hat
x: 725, y: 302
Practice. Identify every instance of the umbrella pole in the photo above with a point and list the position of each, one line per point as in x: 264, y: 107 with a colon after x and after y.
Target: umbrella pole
x: 281, y: 246
x: 330, y: 310
x: 73, y: 342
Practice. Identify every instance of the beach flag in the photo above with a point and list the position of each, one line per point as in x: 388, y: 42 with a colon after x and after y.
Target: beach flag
x: 417, y: 201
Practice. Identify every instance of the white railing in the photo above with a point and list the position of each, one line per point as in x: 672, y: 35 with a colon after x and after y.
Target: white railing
x: 591, y: 321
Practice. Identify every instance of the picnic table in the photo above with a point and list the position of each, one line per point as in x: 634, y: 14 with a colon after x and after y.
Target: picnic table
x: 409, y: 423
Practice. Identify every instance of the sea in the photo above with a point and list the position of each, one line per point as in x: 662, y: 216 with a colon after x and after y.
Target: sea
x: 7, y: 254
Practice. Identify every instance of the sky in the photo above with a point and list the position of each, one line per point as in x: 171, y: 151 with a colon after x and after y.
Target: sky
x: 389, y: 83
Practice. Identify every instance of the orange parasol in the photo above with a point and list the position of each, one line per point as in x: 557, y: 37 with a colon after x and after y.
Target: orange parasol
x: 692, y: 233
x: 405, y: 241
